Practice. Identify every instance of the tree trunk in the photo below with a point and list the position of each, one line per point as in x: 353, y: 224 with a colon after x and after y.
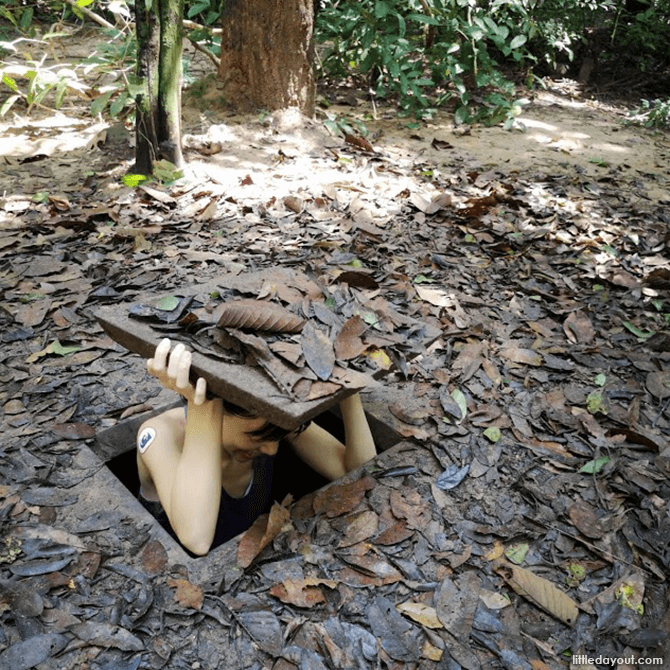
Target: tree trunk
x: 158, y: 115
x: 267, y: 52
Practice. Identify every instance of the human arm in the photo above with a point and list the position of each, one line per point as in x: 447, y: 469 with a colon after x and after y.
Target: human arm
x: 326, y: 454
x: 184, y: 461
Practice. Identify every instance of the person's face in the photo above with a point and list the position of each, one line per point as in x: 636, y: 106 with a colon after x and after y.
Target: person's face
x: 239, y: 444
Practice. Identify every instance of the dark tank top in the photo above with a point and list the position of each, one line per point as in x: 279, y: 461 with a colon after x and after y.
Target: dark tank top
x: 235, y: 514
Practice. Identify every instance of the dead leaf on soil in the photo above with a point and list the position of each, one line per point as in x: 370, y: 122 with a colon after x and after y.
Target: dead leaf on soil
x: 658, y: 384
x: 585, y: 520
x: 318, y: 351
x: 578, y: 328
x: 262, y: 532
x: 539, y: 590
x: 73, y: 431
x: 258, y: 315
x: 524, y: 356
x: 302, y: 592
x: 154, y: 557
x: 341, y: 499
x: 348, y: 343
x: 107, y: 635
x: 423, y: 614
x: 187, y: 594
x: 359, y: 527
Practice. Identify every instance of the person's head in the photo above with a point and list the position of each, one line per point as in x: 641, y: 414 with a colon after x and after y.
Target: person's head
x: 247, y: 436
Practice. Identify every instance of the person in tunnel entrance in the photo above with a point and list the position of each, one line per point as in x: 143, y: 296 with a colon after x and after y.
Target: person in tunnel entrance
x: 209, y: 468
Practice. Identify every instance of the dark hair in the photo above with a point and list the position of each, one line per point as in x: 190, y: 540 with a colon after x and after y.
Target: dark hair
x: 268, y: 432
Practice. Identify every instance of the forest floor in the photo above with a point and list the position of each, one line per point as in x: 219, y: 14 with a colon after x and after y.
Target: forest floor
x: 526, y: 519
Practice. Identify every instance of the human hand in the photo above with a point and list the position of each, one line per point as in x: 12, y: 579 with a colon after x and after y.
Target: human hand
x: 173, y: 372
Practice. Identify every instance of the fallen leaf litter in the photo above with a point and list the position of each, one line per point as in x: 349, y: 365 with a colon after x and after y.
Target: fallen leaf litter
x: 540, y: 420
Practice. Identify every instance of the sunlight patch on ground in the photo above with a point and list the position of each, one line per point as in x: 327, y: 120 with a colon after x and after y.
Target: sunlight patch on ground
x: 54, y: 134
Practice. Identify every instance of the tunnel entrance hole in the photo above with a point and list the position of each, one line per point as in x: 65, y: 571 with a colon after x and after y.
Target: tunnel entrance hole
x: 291, y: 475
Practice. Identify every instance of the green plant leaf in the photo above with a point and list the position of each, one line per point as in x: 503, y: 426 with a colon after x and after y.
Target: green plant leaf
x: 57, y: 348
x: 117, y: 106
x: 422, y: 279
x: 422, y: 18
x: 517, y: 552
x: 381, y: 9
x: 26, y: 19
x: 596, y: 403
x: 462, y: 115
x: 595, y: 465
x: 167, y: 304
x: 637, y: 332
x: 459, y: 399
x: 9, y: 82
x: 99, y: 104
x: 134, y: 180
x: 7, y: 104
x: 493, y: 434
x: 518, y: 41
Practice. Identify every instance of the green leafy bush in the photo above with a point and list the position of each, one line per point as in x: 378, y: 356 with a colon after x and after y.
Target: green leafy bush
x: 425, y: 53
x: 652, y: 113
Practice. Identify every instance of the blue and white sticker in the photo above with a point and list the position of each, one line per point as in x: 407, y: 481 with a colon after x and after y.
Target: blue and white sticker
x: 145, y: 438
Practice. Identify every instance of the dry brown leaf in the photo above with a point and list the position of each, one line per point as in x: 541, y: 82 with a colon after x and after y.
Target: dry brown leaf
x: 33, y: 313
x: 408, y: 504
x: 658, y: 384
x: 578, y: 328
x: 410, y: 412
x: 285, y: 377
x: 73, y: 431
x: 496, y: 552
x: 584, y: 518
x: 187, y: 594
x: 154, y: 557
x: 358, y: 142
x: 258, y: 315
x: 525, y: 356
x: 318, y: 351
x: 423, y: 614
x: 430, y: 205
x: 289, y: 351
x: 340, y: 499
x: 541, y: 591
x: 262, y: 532
x: 302, y: 592
x: 469, y: 360
x: 348, y: 343
x: 359, y: 527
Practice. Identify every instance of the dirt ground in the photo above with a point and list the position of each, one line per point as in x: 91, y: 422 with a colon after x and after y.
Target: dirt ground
x: 525, y: 523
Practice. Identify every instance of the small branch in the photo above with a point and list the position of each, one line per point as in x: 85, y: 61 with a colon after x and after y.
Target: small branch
x: 209, y: 54
x: 192, y: 25
x: 91, y: 15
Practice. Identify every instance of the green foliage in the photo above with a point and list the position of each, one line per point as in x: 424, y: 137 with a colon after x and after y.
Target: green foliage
x: 427, y: 53
x: 207, y: 12
x: 18, y: 15
x: 115, y: 60
x: 43, y: 84
x: 652, y: 113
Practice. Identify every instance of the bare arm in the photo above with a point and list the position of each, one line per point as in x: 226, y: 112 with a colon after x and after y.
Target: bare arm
x: 326, y: 454
x: 187, y: 476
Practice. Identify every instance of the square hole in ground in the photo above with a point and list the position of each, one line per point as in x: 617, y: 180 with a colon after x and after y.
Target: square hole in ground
x: 116, y: 446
